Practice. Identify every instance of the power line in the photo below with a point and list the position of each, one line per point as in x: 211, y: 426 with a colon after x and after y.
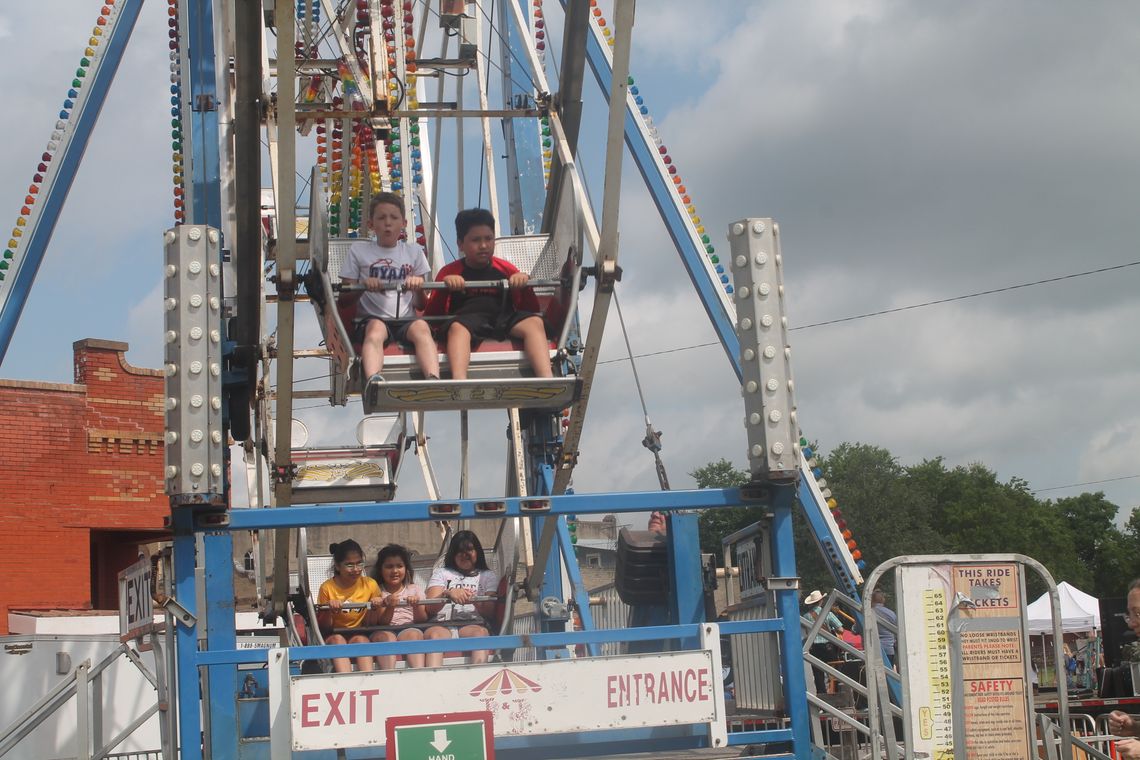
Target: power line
x: 898, y: 309
x: 969, y: 295
x: 1086, y: 483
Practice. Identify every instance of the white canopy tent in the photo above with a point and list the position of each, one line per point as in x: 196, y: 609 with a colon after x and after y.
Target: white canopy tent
x: 1079, y: 611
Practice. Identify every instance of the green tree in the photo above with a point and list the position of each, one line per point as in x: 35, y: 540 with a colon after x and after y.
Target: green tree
x: 1101, y: 549
x: 715, y: 524
x: 887, y: 514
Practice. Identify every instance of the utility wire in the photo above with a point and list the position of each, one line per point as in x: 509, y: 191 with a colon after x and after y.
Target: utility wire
x: 901, y: 308
x: 968, y: 295
x: 1086, y: 483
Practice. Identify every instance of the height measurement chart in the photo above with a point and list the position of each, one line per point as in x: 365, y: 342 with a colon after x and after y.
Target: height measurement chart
x: 922, y: 594
x: 937, y: 726
x: 965, y: 662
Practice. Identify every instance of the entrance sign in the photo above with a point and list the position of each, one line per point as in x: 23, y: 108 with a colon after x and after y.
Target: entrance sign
x: 965, y: 659
x: 329, y: 711
x: 136, y: 607
x: 450, y: 736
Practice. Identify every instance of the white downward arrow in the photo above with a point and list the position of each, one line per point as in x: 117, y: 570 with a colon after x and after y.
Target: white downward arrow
x: 441, y: 742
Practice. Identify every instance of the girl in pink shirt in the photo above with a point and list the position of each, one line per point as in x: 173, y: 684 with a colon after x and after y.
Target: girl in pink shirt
x: 399, y: 605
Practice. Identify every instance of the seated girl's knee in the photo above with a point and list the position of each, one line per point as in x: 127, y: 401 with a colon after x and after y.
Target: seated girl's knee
x: 335, y: 638
x: 383, y: 636
x: 411, y: 634
x: 472, y: 631
x: 438, y: 632
x: 360, y: 638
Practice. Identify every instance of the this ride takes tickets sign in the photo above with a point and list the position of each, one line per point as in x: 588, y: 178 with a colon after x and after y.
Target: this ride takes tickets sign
x: 555, y: 696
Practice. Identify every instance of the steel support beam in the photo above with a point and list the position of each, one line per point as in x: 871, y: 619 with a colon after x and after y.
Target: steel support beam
x: 62, y: 169
x: 464, y: 509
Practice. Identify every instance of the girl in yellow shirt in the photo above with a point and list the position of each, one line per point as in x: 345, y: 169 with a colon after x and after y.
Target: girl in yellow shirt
x: 349, y: 584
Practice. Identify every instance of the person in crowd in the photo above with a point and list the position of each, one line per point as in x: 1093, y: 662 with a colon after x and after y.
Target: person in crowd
x: 349, y: 585
x: 821, y: 647
x: 885, y: 614
x: 463, y: 576
x: 484, y: 313
x: 1121, y: 723
x: 399, y: 606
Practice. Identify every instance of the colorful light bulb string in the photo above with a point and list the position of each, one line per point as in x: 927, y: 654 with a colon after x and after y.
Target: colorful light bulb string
x: 61, y: 133
x: 833, y: 505
x: 538, y: 32
x: 679, y: 188
x: 178, y: 178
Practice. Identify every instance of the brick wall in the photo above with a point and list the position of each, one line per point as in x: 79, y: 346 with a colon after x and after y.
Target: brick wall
x: 81, y: 462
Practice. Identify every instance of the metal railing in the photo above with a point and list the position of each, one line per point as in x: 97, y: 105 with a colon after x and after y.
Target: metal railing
x: 607, y: 609
x: 86, y: 685
x: 1089, y: 738
x: 841, y: 715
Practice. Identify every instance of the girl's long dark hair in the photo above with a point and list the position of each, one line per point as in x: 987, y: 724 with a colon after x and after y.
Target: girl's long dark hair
x: 462, y: 541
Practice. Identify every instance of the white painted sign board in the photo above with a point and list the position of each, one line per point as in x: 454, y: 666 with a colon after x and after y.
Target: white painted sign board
x: 546, y: 697
x: 136, y: 607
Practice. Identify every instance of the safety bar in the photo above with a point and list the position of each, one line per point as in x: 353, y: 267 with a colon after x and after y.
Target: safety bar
x: 497, y: 284
x: 404, y: 603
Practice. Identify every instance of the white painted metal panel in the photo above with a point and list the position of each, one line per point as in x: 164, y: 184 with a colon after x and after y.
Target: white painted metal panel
x: 29, y: 668
x: 555, y: 696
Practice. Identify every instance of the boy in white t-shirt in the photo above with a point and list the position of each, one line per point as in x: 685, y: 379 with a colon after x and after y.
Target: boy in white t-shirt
x: 384, y: 315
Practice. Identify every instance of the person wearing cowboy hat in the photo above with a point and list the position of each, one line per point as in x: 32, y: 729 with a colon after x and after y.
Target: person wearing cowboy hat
x: 821, y: 648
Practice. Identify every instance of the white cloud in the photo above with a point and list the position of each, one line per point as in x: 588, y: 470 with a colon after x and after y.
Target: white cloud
x: 903, y: 164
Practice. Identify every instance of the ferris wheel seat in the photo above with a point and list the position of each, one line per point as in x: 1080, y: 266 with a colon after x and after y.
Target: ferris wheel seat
x: 491, y: 360
x: 383, y: 395
x: 346, y: 474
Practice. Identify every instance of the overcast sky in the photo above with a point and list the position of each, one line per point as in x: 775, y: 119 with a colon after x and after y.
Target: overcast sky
x: 910, y: 151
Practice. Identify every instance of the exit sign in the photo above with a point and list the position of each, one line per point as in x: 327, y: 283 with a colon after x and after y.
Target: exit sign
x: 136, y: 608
x: 445, y: 736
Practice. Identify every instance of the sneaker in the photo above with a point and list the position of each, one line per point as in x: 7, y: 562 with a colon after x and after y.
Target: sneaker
x: 377, y: 378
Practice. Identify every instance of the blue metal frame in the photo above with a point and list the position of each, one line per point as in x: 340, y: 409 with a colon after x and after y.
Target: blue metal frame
x: 202, y: 102
x: 526, y: 186
x: 688, y: 599
x: 411, y: 511
x: 822, y: 535
x: 53, y: 196
x: 186, y: 638
x: 788, y: 607
x: 221, y: 719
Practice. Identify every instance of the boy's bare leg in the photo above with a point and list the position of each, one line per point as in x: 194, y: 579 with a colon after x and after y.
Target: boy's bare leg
x: 534, y: 345
x: 458, y: 350
x: 372, y: 351
x: 427, y: 356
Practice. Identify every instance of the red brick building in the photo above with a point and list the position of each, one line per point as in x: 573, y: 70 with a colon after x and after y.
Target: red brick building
x: 81, y: 484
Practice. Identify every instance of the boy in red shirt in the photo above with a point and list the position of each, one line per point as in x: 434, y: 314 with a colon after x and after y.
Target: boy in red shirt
x: 481, y: 313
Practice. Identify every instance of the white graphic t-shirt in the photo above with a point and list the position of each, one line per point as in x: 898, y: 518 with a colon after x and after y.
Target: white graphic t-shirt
x: 367, y: 259
x: 486, y: 583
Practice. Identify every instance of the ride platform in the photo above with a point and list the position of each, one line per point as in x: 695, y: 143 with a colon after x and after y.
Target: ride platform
x: 552, y: 393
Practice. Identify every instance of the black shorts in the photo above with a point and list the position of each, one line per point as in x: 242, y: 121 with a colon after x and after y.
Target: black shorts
x: 397, y: 330
x: 484, y: 326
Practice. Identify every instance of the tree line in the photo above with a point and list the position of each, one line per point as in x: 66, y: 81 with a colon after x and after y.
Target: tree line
x: 929, y: 508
